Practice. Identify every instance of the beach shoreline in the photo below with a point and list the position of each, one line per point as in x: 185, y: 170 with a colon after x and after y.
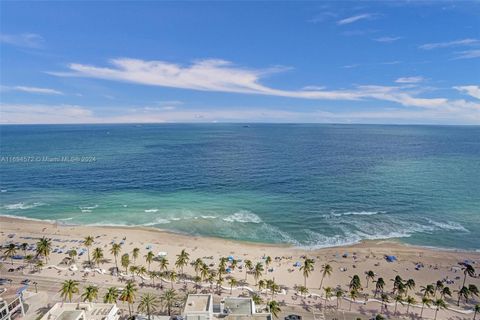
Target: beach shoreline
x: 284, y: 269
x: 360, y: 244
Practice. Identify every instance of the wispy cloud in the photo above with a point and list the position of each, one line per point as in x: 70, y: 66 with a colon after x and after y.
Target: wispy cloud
x: 472, y: 90
x: 28, y: 40
x: 387, y: 39
x: 44, y: 114
x: 455, y: 43
x: 223, y: 76
x: 34, y: 90
x: 467, y: 54
x: 410, y: 79
x: 352, y: 19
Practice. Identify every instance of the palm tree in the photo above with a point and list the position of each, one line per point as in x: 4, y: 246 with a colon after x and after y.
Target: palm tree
x: 182, y: 260
x: 258, y: 300
x: 463, y: 293
x: 72, y: 254
x: 88, y: 243
x: 211, y: 279
x: 410, y: 285
x: 302, y: 291
x: 379, y: 286
x: 384, y: 298
x: 425, y: 302
x: 141, y: 271
x: 370, y: 275
x: 262, y: 284
x: 445, y: 292
x: 232, y: 282
x: 396, y: 282
x: 476, y: 310
x: 410, y: 300
x: 257, y: 271
x: 268, y: 260
x: 153, y: 275
x: 233, y: 264
x: 149, y: 258
x: 172, y: 277
x: 28, y: 260
x: 439, y: 304
x: 398, y: 298
x: 248, y: 267
x: 326, y: 271
x: 204, y: 271
x: 328, y: 294
x: 468, y: 270
x: 128, y: 295
x: 438, y: 287
x: 473, y: 290
x: 24, y: 247
x: 427, y: 290
x: 274, y: 308
x: 115, y: 250
x: 69, y: 288
x: 97, y: 256
x: 353, y: 295
x: 197, y: 265
x: 355, y: 283
x: 135, y: 253
x: 148, y: 303
x: 111, y: 295
x: 10, y: 252
x: 133, y: 271
x: 168, y: 299
x: 306, y: 269
x: 163, y: 264
x: 197, y: 280
x: 44, y: 246
x: 339, y: 294
x: 219, y: 283
x: 274, y: 288
x: 90, y: 293
x: 125, y: 262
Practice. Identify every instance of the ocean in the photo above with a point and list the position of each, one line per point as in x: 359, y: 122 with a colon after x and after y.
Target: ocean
x: 303, y: 184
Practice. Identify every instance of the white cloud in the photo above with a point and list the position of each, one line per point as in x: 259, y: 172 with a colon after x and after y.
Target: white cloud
x: 223, y: 76
x: 473, y: 90
x: 35, y: 90
x: 410, y: 79
x: 468, y: 54
x: 28, y: 40
x: 455, y: 43
x: 387, y: 39
x: 365, y: 16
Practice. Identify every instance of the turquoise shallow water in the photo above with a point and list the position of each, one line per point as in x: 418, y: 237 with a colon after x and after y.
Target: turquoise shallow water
x: 309, y: 185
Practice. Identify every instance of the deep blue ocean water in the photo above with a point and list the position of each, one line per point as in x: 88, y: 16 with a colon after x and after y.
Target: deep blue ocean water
x: 308, y: 185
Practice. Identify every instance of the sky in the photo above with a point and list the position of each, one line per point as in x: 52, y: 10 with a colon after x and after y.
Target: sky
x: 391, y: 62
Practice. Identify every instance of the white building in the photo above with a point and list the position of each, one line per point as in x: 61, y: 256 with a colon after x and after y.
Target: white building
x: 82, y: 311
x: 11, y: 303
x: 201, y: 307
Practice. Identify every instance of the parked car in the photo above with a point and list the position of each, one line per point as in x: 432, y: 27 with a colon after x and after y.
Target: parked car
x: 293, y: 317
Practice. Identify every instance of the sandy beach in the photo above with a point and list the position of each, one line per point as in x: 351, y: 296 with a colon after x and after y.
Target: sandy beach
x: 345, y: 261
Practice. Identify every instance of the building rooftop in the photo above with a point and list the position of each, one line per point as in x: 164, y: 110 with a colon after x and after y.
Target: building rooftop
x: 239, y: 306
x: 198, y: 303
x: 73, y: 311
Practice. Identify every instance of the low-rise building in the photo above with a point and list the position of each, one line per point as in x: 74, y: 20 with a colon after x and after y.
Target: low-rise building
x: 201, y: 307
x: 82, y: 311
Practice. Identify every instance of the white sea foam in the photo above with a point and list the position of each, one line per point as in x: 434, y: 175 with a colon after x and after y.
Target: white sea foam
x: 243, y: 216
x: 151, y: 210
x: 447, y: 225
x: 208, y: 217
x: 356, y: 213
x: 157, y: 221
x: 22, y: 206
x: 3, y: 190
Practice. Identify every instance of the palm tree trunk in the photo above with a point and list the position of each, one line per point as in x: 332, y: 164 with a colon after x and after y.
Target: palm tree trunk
x: 395, y: 311
x: 436, y: 311
x: 421, y: 313
x: 350, y: 309
x: 321, y: 283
